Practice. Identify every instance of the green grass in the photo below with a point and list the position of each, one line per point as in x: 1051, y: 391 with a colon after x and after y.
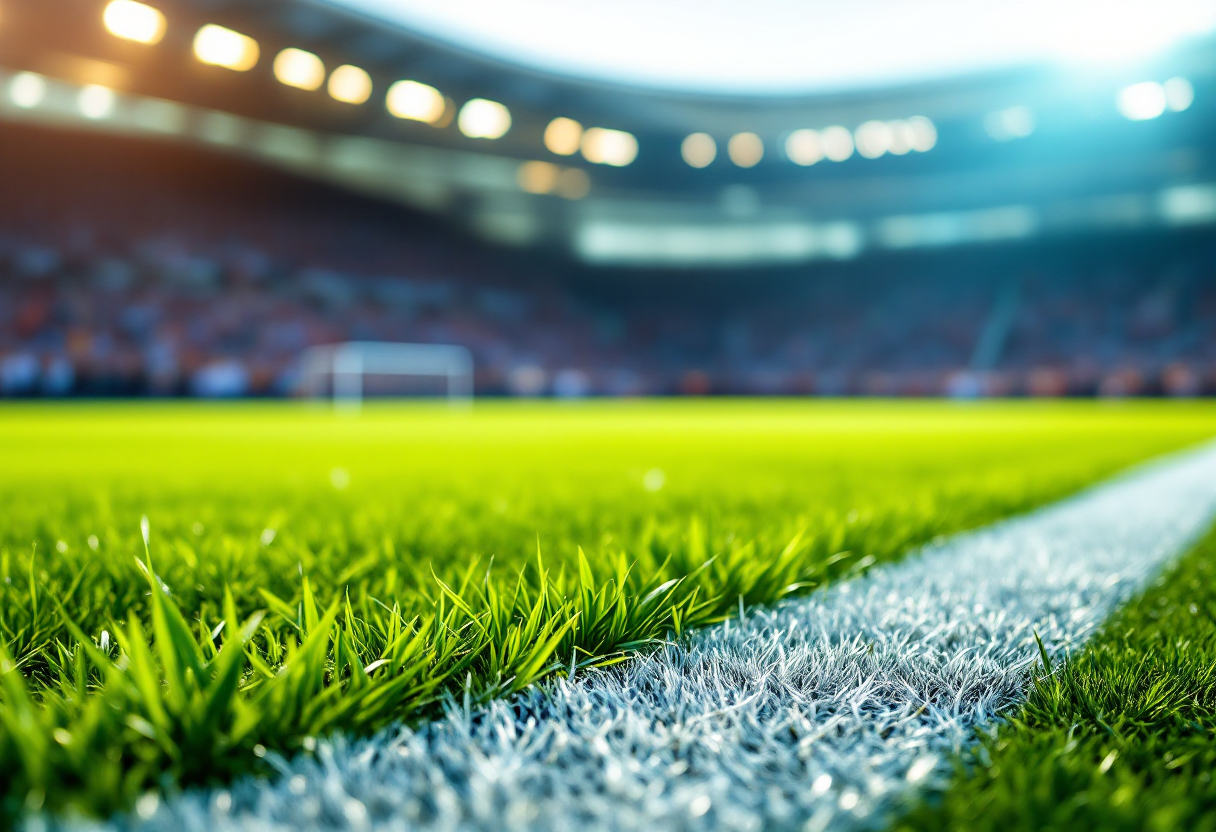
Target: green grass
x: 308, y: 573
x: 1122, y: 737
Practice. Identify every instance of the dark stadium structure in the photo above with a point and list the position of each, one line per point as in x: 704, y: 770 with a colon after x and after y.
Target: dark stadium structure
x: 169, y: 227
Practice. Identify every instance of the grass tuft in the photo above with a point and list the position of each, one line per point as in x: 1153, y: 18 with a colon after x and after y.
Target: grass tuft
x: 261, y: 605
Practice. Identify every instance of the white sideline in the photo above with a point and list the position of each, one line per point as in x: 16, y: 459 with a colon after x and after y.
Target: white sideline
x: 816, y: 714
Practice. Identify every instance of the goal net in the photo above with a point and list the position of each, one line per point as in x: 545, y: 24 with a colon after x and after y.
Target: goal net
x: 340, y: 369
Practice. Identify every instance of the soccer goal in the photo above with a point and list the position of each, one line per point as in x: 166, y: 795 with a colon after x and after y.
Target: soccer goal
x: 341, y: 368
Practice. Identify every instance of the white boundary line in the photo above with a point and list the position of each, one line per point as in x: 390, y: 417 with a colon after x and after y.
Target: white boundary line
x: 818, y: 713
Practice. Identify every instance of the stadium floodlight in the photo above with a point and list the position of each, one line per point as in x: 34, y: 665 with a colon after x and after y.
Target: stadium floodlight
x: 484, y: 119
x: 699, y: 150
x: 1011, y: 123
x: 837, y: 142
x: 218, y: 46
x: 745, y: 149
x: 345, y: 365
x: 27, y: 90
x: 602, y: 146
x: 413, y: 101
x: 873, y: 139
x: 1179, y: 94
x: 563, y: 136
x: 924, y: 134
x: 903, y: 137
x: 300, y: 69
x: 130, y: 20
x: 1141, y: 102
x: 95, y: 102
x: 803, y: 147
x: 350, y: 85
x: 538, y: 177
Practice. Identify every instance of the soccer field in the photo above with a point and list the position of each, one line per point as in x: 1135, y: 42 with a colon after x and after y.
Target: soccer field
x: 305, y: 573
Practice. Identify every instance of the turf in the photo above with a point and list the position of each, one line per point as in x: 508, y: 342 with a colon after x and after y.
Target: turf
x: 307, y: 573
x: 819, y: 713
x: 1122, y: 737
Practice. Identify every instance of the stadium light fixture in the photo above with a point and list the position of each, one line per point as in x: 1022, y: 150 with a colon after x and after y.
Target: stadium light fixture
x: 699, y: 150
x: 563, y: 136
x: 837, y: 142
x: 95, y: 102
x: 873, y: 139
x: 218, y: 46
x: 616, y: 148
x: 538, y: 177
x: 903, y: 138
x: 130, y: 20
x: 484, y: 119
x: 415, y: 102
x: 924, y: 134
x: 1179, y: 94
x: 27, y: 90
x: 1141, y: 102
x: 804, y: 147
x: 300, y: 69
x: 350, y: 85
x: 548, y: 178
x: 745, y: 149
x: 1009, y: 124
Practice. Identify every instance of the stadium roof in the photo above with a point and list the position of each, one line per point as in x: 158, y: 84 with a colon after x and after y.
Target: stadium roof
x: 697, y: 177
x: 797, y: 46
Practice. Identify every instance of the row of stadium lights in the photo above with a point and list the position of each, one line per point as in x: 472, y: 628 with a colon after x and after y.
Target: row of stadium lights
x: 1138, y: 102
x: 478, y: 118
x: 481, y: 118
x: 808, y: 147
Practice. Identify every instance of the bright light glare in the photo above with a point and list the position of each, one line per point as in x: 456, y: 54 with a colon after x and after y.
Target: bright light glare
x: 350, y: 85
x: 800, y: 45
x: 300, y: 69
x: 563, y: 136
x: 873, y: 139
x: 129, y: 20
x: 95, y: 101
x: 1141, y: 102
x: 609, y: 147
x: 903, y: 138
x: 837, y: 142
x: 1179, y: 94
x: 745, y: 149
x: 924, y: 134
x: 1012, y: 123
x: 482, y: 119
x: 548, y: 178
x: 538, y: 177
x: 218, y: 46
x: 803, y: 147
x: 699, y: 149
x: 27, y: 90
x: 414, y: 101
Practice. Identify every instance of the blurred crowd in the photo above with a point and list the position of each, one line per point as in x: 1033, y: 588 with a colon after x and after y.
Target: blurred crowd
x: 142, y: 274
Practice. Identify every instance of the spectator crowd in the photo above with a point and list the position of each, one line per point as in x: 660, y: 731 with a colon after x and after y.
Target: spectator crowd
x: 128, y: 273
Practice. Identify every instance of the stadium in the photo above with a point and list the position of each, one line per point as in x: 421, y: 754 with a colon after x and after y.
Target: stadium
x: 461, y: 415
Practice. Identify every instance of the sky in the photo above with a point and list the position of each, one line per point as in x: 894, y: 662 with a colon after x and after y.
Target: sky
x: 734, y: 46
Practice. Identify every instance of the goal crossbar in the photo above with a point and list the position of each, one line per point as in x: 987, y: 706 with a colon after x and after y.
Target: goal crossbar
x: 346, y: 364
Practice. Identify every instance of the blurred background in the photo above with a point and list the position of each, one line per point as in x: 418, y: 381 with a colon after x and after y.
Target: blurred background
x: 879, y: 197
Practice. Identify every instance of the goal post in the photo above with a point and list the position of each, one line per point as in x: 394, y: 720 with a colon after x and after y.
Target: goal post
x: 345, y: 365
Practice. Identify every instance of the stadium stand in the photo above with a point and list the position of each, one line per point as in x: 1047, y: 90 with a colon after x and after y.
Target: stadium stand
x: 130, y: 267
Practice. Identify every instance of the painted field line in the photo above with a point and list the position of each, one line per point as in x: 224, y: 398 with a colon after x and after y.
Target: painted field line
x: 813, y: 715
